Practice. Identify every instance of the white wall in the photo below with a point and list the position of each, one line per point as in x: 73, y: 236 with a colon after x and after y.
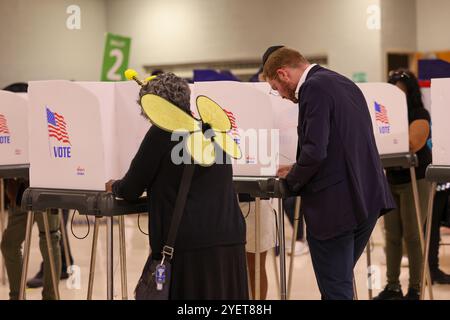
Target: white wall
x: 399, y: 25
x: 176, y: 31
x: 399, y: 28
x: 36, y: 45
x: 433, y: 25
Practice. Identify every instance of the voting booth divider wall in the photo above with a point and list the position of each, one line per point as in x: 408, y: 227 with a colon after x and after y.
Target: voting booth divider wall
x: 439, y: 170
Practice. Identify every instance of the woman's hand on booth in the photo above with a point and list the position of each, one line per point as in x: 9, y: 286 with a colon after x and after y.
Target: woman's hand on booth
x: 108, y: 185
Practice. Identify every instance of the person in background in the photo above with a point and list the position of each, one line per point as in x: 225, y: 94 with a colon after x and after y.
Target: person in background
x: 267, y: 238
x: 401, y: 224
x: 38, y: 280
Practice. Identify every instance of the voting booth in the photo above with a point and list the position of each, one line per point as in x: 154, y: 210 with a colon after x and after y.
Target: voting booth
x: 84, y: 133
x: 439, y: 170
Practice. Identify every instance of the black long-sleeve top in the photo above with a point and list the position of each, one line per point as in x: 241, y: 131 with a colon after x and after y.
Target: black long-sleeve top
x: 212, y: 216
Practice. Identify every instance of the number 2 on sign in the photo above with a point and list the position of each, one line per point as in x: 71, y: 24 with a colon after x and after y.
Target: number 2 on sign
x: 113, y: 72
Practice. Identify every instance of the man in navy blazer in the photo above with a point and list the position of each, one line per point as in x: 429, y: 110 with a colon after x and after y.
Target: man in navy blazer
x: 338, y: 172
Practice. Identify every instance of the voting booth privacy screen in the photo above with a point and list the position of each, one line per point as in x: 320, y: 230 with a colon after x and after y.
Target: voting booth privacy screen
x: 440, y: 119
x: 84, y: 133
x: 13, y: 128
x: 389, y: 112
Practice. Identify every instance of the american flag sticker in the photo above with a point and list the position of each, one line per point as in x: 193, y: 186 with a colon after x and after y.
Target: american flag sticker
x: 381, y: 113
x: 57, y: 127
x: 3, y: 125
x: 382, y: 119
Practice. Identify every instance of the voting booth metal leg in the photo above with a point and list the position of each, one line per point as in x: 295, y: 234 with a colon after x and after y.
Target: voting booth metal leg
x: 427, y: 239
x: 109, y: 258
x: 26, y: 254
x: 65, y: 240
x: 2, y: 225
x: 50, y: 254
x: 425, y: 267
x: 277, y: 272
x: 282, y: 251
x: 123, y: 258
x: 257, y: 249
x: 93, y: 256
x: 293, y: 242
x: 369, y: 269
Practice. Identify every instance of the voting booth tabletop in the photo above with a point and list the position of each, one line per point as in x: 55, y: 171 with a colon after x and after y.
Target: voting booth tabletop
x: 403, y: 160
x: 262, y: 187
x: 14, y: 171
x: 94, y: 203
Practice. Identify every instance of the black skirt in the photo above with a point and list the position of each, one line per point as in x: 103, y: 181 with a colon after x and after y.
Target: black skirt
x: 215, y: 273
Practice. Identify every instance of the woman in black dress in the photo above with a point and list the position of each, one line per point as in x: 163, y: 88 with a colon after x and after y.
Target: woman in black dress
x: 209, y: 259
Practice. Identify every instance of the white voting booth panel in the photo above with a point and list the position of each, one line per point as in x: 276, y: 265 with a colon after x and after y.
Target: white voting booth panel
x: 389, y: 112
x: 78, y: 139
x: 131, y: 125
x: 256, y: 125
x: 285, y: 117
x: 440, y: 117
x: 426, y: 98
x: 13, y: 128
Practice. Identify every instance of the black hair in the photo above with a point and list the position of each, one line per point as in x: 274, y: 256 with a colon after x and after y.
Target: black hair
x: 413, y: 93
x: 17, y: 87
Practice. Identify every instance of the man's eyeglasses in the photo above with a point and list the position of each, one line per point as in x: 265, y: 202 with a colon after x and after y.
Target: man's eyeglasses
x: 274, y: 92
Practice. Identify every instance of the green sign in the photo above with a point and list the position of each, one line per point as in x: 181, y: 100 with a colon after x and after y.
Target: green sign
x: 115, y: 58
x: 360, y: 77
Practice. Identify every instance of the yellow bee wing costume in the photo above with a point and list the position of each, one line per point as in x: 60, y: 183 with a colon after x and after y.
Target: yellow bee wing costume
x: 211, y: 128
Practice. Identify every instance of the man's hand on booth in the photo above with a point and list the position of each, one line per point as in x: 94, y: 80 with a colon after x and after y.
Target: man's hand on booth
x: 283, y: 171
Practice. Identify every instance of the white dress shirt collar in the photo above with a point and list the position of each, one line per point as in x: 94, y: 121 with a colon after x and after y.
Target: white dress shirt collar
x: 303, y: 79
